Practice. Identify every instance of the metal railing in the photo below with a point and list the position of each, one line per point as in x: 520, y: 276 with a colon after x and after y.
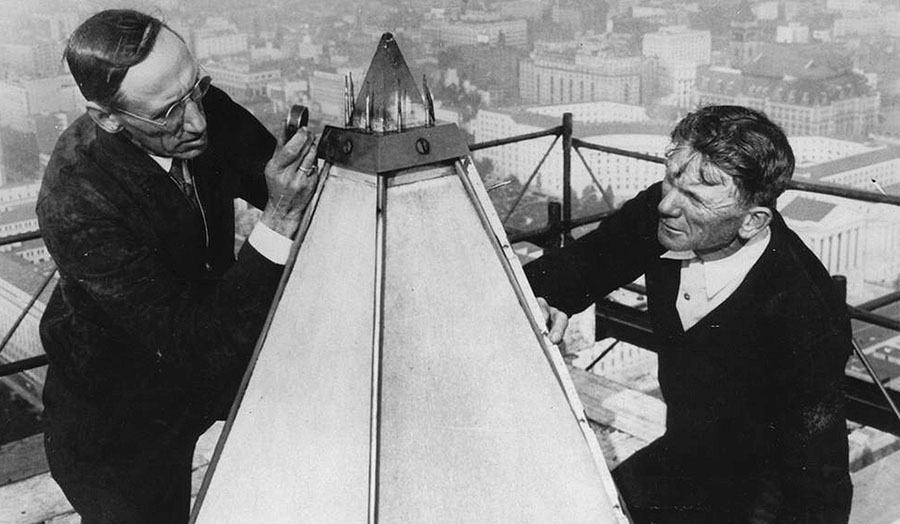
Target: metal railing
x: 869, y: 403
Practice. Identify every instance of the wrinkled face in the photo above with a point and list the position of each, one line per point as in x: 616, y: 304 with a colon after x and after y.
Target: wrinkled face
x: 699, y: 210
x: 150, y: 88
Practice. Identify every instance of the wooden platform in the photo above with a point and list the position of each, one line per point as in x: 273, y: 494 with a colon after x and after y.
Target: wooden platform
x: 624, y: 420
x: 34, y: 498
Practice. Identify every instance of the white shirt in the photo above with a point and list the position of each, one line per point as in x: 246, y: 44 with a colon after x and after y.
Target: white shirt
x: 705, y: 284
x: 272, y: 245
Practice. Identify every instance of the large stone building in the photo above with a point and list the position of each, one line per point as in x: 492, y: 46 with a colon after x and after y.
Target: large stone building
x: 680, y: 52
x: 673, y: 44
x: 242, y: 80
x: 326, y: 92
x: 478, y: 28
x: 572, y: 76
x: 808, y: 91
x: 835, y: 233
x: 591, y: 120
x: 218, y: 37
x: 21, y: 99
x: 875, y: 255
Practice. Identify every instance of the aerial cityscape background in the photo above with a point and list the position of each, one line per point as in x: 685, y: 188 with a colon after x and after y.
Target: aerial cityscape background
x: 828, y: 71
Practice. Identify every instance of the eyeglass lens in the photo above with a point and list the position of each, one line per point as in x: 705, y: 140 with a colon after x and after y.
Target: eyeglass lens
x: 176, y: 111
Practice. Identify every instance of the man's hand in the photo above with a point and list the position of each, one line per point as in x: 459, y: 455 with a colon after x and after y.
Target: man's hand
x: 291, y: 177
x: 555, y: 319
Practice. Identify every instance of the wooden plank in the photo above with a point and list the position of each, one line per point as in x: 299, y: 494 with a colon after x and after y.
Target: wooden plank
x: 875, y: 492
x: 612, y: 404
x: 22, y: 459
x: 33, y: 497
x: 31, y: 501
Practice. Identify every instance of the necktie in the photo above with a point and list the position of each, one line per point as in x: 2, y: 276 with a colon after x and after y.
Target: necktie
x: 183, y: 181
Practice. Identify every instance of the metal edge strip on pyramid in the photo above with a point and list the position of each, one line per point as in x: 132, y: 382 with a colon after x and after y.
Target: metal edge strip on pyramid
x: 516, y: 276
x: 260, y: 342
x: 377, y: 349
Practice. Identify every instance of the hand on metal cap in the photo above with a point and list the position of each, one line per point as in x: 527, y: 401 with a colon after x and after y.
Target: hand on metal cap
x: 291, y: 180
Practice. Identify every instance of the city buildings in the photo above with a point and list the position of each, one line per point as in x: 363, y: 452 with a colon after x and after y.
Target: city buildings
x: 598, y: 122
x: 805, y: 90
x: 326, y: 92
x: 578, y: 73
x: 243, y: 80
x: 680, y: 52
x: 218, y: 37
x: 477, y: 28
x: 23, y: 98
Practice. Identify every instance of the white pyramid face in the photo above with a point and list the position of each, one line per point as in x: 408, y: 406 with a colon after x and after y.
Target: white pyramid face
x: 298, y: 448
x: 475, y: 427
x: 473, y: 423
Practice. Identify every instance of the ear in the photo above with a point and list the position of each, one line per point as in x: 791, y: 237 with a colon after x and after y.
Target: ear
x: 106, y: 119
x: 755, y: 220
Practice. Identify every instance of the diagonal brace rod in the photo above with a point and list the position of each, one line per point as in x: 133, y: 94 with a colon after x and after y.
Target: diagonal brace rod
x: 534, y: 173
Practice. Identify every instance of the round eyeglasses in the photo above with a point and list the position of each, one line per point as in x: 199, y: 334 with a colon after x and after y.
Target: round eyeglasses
x: 172, y: 117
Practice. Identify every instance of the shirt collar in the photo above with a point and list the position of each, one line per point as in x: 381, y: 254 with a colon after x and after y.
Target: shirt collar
x: 719, y: 273
x: 165, y: 162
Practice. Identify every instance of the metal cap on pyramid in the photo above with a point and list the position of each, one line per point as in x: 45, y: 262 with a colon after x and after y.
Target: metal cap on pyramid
x: 388, y: 99
x: 390, y: 125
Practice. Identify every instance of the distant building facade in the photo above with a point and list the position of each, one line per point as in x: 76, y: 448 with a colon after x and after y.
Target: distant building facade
x: 218, y: 38
x: 597, y: 120
x: 805, y: 92
x: 674, y: 44
x: 561, y: 78
x: 326, y: 92
x: 20, y: 99
x: 680, y: 52
x: 835, y: 233
x: 873, y: 252
x: 494, y: 70
x: 241, y: 79
x: 480, y: 29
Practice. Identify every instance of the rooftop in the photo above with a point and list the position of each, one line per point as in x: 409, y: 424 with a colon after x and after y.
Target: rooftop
x: 806, y: 209
x: 820, y: 172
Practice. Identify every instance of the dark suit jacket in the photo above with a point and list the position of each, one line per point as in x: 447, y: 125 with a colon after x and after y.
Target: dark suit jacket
x: 153, y: 320
x: 753, y: 390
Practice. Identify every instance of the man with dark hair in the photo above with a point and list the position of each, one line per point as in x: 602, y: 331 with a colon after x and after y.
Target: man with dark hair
x: 154, y: 319
x: 753, y: 334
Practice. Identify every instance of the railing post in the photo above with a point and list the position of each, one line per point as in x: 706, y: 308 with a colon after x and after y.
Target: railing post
x: 840, y: 282
x: 555, y: 228
x: 567, y: 170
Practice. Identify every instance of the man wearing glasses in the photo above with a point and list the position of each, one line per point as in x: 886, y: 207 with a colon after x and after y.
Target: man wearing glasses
x: 154, y: 318
x: 753, y: 336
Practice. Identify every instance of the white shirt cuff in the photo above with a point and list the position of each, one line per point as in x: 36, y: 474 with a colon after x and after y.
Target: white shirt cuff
x: 270, y: 244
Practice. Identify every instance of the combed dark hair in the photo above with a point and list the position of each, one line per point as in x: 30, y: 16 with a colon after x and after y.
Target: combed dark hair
x: 743, y: 143
x: 102, y: 49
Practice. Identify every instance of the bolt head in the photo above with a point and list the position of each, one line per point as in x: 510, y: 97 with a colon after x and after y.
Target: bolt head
x: 422, y: 146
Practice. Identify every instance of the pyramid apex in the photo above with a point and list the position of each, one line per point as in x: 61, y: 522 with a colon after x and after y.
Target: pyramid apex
x: 389, y: 99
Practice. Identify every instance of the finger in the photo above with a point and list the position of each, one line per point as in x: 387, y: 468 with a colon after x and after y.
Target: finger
x: 308, y: 160
x: 545, y: 308
x: 308, y: 148
x: 293, y: 150
x: 558, y: 323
